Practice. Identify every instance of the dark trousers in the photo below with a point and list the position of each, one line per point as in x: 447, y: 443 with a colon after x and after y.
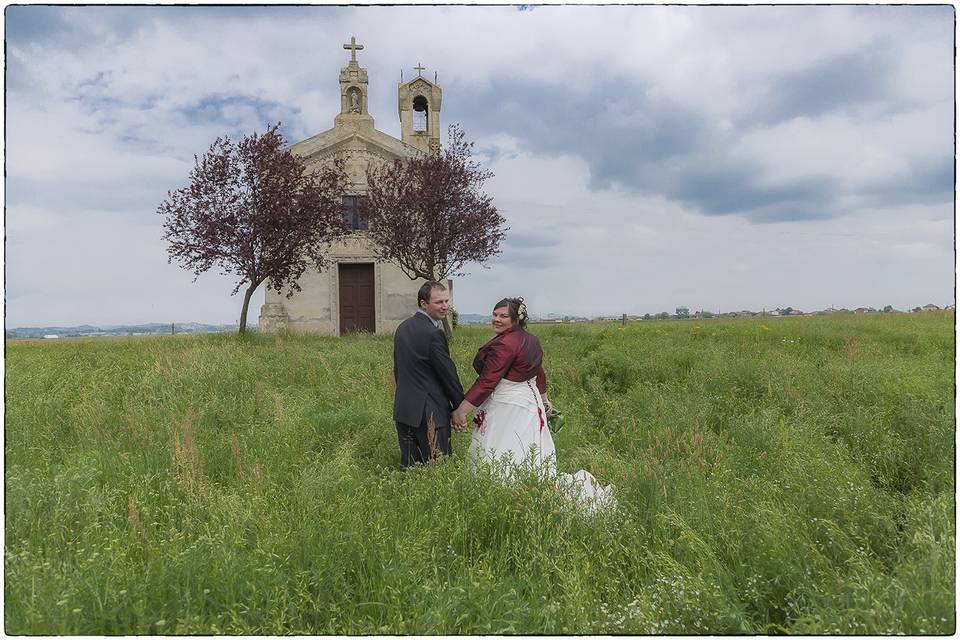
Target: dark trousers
x: 422, y: 444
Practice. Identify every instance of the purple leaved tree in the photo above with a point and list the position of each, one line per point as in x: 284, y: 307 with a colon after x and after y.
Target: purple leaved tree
x: 429, y: 215
x: 251, y: 209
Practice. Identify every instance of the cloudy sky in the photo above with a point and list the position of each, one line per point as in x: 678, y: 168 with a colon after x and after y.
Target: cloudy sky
x: 645, y: 157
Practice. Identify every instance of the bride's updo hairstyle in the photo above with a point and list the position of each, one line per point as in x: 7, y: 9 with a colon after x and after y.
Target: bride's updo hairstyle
x: 518, y: 310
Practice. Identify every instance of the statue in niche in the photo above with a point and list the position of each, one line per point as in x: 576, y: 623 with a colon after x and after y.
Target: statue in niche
x: 354, y: 99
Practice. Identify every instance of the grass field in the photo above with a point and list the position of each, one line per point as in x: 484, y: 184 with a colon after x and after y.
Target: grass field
x: 790, y: 475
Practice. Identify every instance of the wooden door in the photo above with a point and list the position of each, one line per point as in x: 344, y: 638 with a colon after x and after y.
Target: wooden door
x: 356, y: 298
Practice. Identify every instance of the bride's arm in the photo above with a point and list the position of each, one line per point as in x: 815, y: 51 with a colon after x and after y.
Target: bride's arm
x: 497, y: 361
x: 460, y: 413
x: 546, y: 403
x: 542, y: 388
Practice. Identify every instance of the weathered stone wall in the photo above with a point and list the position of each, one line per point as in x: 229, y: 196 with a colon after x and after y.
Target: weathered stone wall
x: 316, y: 308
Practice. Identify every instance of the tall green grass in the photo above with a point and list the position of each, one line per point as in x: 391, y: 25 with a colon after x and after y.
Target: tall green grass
x: 779, y: 476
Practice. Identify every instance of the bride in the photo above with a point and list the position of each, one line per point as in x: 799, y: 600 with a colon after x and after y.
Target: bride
x: 510, y: 399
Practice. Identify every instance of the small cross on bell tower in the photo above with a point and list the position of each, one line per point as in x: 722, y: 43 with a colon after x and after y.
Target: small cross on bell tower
x: 418, y: 103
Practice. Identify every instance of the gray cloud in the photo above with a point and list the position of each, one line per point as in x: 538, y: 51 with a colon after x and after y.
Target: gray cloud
x: 135, y: 198
x: 526, y: 259
x: 234, y: 111
x: 537, y: 239
x: 843, y: 82
x: 657, y: 146
x: 721, y: 189
x: 69, y: 25
x: 927, y: 183
x: 622, y: 134
x: 35, y: 24
x: 530, y: 248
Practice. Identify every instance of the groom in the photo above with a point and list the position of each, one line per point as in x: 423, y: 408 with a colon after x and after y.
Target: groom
x: 428, y: 386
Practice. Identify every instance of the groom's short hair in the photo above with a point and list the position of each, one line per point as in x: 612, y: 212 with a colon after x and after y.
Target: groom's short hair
x: 427, y: 289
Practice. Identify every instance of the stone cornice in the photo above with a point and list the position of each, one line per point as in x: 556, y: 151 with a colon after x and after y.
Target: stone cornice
x: 351, y: 142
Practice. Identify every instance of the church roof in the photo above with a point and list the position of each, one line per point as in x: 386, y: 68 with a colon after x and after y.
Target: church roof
x: 344, y: 138
x: 418, y: 79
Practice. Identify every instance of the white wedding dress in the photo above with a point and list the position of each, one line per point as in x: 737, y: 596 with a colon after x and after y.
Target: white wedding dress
x: 510, y: 426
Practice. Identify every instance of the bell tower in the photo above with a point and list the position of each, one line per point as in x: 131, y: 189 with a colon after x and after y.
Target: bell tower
x: 418, y: 102
x: 353, y: 90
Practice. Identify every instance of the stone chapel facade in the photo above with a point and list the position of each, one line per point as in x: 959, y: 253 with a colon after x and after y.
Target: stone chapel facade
x: 354, y: 292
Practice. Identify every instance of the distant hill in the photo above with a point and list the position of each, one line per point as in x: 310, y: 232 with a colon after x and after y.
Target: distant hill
x: 86, y: 330
x: 473, y: 318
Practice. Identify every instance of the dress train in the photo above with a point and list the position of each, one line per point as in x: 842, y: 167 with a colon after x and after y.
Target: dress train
x: 511, y: 425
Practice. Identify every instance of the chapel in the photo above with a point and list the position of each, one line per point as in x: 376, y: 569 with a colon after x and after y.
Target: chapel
x: 355, y: 292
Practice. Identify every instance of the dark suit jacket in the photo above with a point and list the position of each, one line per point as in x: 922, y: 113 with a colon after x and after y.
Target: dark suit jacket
x: 427, y: 380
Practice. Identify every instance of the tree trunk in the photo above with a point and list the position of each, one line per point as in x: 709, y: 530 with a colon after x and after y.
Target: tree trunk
x: 246, y: 305
x: 447, y: 328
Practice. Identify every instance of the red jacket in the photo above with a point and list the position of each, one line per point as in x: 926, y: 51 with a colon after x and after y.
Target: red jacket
x: 515, y: 355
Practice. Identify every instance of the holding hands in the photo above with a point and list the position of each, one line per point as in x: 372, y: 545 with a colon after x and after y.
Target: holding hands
x: 459, y: 417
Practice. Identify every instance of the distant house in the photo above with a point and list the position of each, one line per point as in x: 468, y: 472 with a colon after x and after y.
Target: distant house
x: 51, y: 336
x: 929, y: 307
x: 864, y: 310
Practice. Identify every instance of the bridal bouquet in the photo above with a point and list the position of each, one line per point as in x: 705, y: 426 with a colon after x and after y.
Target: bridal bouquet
x: 555, y: 421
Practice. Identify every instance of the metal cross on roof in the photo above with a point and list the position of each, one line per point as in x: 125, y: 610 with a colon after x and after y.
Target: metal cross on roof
x: 419, y: 69
x: 353, y: 46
